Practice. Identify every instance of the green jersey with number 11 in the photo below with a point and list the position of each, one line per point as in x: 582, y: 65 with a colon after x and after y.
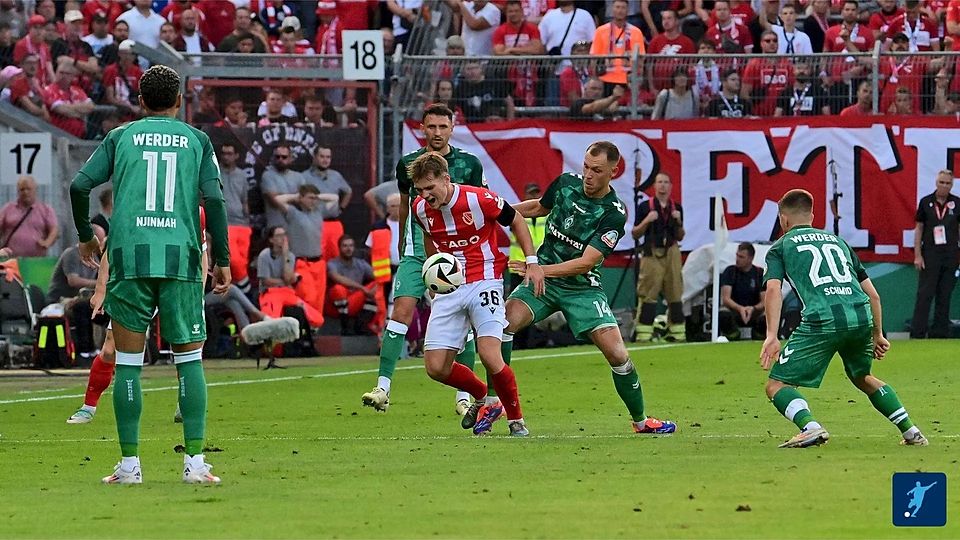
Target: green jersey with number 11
x: 826, y: 274
x: 158, y: 166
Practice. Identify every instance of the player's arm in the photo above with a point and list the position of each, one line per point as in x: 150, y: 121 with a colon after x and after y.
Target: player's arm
x: 216, y: 212
x: 97, y: 170
x: 575, y: 267
x: 773, y: 304
x: 521, y: 231
x: 531, y: 209
x: 726, y: 298
x: 917, y: 241
x: 340, y: 279
x: 100, y: 289
x: 404, y: 215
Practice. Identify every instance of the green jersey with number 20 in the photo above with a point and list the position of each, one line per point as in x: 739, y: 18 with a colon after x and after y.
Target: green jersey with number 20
x: 826, y: 274
x: 577, y: 221
x: 158, y: 165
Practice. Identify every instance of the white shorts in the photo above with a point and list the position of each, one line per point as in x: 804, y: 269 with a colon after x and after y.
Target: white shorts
x: 479, y: 305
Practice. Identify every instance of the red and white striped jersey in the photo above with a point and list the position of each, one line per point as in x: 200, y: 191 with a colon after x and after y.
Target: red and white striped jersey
x: 466, y: 228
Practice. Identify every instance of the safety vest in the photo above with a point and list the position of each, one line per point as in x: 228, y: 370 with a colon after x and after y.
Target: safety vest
x: 538, y: 231
x: 380, y: 254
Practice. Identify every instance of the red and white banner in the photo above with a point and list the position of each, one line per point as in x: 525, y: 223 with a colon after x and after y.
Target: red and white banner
x: 880, y: 168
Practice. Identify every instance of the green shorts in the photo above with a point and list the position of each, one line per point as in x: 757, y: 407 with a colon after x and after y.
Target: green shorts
x: 585, y: 309
x: 807, y: 354
x: 131, y: 302
x: 408, y: 281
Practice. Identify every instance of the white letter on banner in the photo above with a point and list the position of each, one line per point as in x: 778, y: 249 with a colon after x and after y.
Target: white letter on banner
x: 572, y: 146
x: 842, y: 145
x: 697, y: 149
x: 934, y: 147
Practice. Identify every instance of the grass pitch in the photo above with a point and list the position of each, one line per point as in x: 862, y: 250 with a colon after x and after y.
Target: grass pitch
x: 300, y: 457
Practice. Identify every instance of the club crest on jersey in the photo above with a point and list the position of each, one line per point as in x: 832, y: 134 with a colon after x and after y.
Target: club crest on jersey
x: 468, y: 218
x: 610, y: 238
x: 567, y: 223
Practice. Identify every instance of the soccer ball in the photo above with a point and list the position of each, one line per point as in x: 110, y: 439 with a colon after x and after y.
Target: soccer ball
x: 442, y: 273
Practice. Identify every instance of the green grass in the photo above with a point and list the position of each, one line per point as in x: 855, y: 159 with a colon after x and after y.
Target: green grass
x: 301, y: 458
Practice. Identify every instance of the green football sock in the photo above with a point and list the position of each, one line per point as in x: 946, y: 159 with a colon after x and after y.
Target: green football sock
x: 468, y: 356
x: 627, y: 382
x: 885, y: 400
x: 792, y: 406
x: 193, y: 405
x: 391, y: 347
x: 127, y: 406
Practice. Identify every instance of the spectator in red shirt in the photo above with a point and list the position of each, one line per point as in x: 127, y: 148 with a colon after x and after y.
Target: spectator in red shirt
x: 356, y: 14
x: 329, y: 26
x: 217, y: 20
x: 764, y: 79
x: 72, y: 46
x: 953, y: 24
x: 290, y: 41
x: 121, y: 82
x: 518, y: 37
x: 726, y: 32
x: 920, y: 31
x: 667, y: 43
x: 848, y: 36
x: 904, y: 72
x: 881, y: 20
x: 68, y: 103
x: 172, y: 11
x: 33, y: 43
x: 26, y: 91
x: 864, y: 104
x: 575, y: 75
x: 110, y: 9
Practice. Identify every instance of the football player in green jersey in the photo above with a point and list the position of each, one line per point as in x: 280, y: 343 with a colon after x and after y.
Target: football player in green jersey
x: 585, y: 222
x: 841, y: 314
x: 408, y: 285
x: 159, y: 166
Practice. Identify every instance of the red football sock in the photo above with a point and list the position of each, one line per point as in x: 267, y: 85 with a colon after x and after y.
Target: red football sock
x: 463, y: 378
x: 101, y: 373
x: 505, y: 383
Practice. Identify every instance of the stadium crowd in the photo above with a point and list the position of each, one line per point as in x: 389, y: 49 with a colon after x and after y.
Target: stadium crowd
x: 64, y: 61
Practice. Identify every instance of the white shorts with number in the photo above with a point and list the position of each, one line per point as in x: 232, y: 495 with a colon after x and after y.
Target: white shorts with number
x: 479, y: 305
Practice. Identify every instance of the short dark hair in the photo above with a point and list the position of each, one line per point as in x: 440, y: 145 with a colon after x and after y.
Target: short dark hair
x: 607, y: 148
x: 159, y: 87
x: 117, y: 23
x: 855, y: 3
x: 748, y: 247
x: 233, y: 146
x: 272, y: 230
x: 796, y: 201
x: 284, y: 144
x: 305, y: 189
x: 728, y: 72
x: 438, y: 109
x: 344, y: 238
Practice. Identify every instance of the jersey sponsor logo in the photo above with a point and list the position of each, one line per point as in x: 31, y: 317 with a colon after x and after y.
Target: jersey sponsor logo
x: 610, y: 238
x: 564, y: 238
x: 785, y: 355
x: 153, y: 221
x: 467, y: 218
x: 462, y: 243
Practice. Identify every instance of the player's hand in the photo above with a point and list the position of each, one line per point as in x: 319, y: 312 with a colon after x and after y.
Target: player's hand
x: 769, y: 352
x: 918, y: 262
x: 675, y: 215
x: 89, y: 250
x: 652, y: 216
x: 96, y: 302
x: 534, y: 274
x: 221, y: 279
x: 880, y: 346
x: 518, y: 267
x: 745, y: 313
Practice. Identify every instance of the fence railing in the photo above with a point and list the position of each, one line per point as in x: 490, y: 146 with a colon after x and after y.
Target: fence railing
x: 500, y: 87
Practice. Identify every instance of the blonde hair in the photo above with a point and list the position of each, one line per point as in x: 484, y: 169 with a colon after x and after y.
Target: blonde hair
x: 429, y: 163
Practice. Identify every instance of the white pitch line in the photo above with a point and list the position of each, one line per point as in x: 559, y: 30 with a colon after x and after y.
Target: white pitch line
x: 344, y: 373
x: 415, y: 438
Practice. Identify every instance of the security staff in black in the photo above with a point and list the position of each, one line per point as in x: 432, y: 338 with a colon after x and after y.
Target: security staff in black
x: 660, y: 221
x: 741, y: 295
x: 935, y: 256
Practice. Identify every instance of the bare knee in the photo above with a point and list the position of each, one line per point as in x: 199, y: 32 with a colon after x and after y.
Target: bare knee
x: 610, y: 343
x: 108, y: 353
x: 518, y: 316
x: 403, y: 308
x: 437, y: 368
x: 867, y: 384
x: 773, y: 386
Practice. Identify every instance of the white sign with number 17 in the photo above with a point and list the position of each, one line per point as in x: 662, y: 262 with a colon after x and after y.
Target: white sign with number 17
x: 363, y: 55
x: 25, y: 154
